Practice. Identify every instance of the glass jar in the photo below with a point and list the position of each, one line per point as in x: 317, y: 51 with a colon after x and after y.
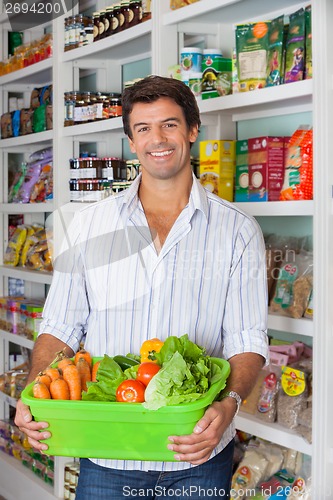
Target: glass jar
x: 101, y: 25
x: 116, y: 19
x: 87, y: 113
x: 146, y: 10
x: 109, y: 16
x: 79, y: 105
x: 136, y: 8
x: 125, y: 14
x: 96, y: 26
x: 115, y: 106
x: 78, y: 28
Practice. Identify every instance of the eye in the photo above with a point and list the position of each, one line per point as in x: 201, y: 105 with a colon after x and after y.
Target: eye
x: 170, y: 125
x: 142, y: 129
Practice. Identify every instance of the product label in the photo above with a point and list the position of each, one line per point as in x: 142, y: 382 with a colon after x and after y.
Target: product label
x: 292, y: 381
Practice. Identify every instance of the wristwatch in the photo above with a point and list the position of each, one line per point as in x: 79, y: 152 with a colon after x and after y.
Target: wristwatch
x: 235, y: 396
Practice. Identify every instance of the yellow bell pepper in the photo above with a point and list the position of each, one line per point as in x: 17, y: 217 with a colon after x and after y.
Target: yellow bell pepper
x: 148, y: 350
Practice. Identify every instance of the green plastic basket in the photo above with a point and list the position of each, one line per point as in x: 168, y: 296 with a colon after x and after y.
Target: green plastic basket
x: 124, y: 431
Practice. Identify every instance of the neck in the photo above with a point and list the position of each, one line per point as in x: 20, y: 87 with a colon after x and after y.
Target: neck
x: 167, y: 195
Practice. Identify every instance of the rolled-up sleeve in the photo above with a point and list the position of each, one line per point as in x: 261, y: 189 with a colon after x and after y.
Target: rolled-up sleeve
x: 66, y: 309
x: 245, y: 320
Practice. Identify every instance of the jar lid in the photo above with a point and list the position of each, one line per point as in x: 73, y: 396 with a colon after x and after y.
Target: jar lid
x: 195, y: 50
x: 217, y: 52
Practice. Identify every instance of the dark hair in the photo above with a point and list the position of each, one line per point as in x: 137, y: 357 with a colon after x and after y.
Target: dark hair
x: 154, y: 87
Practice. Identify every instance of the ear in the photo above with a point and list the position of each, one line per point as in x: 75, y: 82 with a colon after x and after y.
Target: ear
x: 131, y: 145
x: 193, y: 135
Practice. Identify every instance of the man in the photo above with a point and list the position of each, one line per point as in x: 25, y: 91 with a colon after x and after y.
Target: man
x: 163, y: 258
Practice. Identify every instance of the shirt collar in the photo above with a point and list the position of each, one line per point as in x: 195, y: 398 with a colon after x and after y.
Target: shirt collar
x: 198, y: 197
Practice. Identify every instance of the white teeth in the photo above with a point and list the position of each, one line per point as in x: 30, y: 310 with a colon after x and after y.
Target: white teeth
x: 161, y: 153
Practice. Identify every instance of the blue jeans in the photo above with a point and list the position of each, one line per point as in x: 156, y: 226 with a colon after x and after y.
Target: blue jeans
x: 209, y: 480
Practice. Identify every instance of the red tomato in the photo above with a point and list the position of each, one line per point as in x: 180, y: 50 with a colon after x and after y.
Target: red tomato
x: 146, y: 371
x: 131, y: 391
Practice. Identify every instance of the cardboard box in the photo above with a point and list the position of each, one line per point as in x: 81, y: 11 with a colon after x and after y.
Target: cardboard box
x: 242, y: 171
x: 217, y: 167
x: 266, y: 168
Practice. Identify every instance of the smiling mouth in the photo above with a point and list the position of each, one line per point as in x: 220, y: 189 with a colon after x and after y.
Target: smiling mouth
x: 161, y: 154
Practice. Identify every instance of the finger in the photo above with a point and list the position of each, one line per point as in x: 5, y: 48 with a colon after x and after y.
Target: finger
x: 194, y: 458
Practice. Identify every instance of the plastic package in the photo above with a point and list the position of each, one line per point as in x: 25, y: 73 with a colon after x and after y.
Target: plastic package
x: 16, y: 242
x: 267, y: 401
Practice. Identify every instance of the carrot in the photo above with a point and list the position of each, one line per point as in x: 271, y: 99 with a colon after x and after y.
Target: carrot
x: 94, y: 371
x: 59, y: 389
x: 64, y: 362
x: 53, y: 373
x: 45, y: 379
x: 85, y: 372
x: 82, y: 353
x: 72, y: 376
x: 41, y: 391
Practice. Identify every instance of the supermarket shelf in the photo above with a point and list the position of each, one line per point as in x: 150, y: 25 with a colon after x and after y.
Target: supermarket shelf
x: 17, y: 482
x: 283, y: 99
x: 25, y: 274
x: 19, y: 208
x: 272, y: 432
x: 23, y: 140
x: 126, y: 44
x: 7, y: 399
x: 300, y: 326
x: 276, y: 208
x: 228, y: 11
x: 39, y: 73
x: 17, y: 339
x: 115, y: 124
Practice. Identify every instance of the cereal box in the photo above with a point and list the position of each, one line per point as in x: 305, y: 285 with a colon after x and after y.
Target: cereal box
x: 242, y: 171
x: 217, y: 167
x: 266, y: 168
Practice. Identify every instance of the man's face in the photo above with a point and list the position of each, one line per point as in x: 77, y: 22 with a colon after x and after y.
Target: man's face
x: 161, y: 138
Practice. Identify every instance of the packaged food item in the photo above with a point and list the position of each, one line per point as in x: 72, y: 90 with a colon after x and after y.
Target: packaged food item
x: 308, y: 43
x: 295, y: 48
x: 266, y: 167
x: 39, y: 119
x: 178, y: 4
x: 217, y: 167
x: 15, y: 244
x: 43, y: 189
x: 242, y: 171
x: 26, y: 118
x: 17, y: 182
x: 267, y: 401
x: 33, y: 172
x: 216, y: 74
x: 292, y: 399
x: 6, y: 126
x: 288, y: 300
x: 298, y: 169
x: 252, y: 47
x: 275, y: 51
x: 190, y: 62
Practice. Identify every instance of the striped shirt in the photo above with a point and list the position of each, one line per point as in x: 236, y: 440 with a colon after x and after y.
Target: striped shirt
x: 112, y: 290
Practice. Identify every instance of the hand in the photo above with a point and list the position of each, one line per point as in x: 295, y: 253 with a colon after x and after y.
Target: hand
x: 24, y: 421
x: 197, y: 447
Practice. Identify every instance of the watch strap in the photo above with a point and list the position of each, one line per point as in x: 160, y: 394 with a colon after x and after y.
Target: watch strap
x: 235, y: 396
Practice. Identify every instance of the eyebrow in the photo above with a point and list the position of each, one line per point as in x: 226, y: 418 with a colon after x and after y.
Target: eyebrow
x: 144, y: 124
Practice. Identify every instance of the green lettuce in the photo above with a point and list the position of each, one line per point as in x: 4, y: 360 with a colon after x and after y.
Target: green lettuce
x: 186, y: 374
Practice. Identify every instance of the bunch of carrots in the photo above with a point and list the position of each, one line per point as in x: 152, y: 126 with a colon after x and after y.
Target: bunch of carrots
x: 68, y: 379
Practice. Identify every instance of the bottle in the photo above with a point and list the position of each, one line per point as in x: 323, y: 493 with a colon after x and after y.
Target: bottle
x: 66, y: 34
x: 96, y: 26
x: 71, y: 33
x: 78, y: 27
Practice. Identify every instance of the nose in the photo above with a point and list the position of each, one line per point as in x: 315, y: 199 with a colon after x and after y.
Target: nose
x: 158, y: 135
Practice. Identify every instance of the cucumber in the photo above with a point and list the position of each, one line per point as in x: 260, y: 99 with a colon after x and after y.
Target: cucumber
x: 125, y: 362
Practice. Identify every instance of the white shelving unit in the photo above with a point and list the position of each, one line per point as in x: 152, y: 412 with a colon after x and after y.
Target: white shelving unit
x: 213, y: 21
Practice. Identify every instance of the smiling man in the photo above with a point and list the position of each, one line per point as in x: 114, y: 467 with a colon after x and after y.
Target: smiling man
x: 165, y: 257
